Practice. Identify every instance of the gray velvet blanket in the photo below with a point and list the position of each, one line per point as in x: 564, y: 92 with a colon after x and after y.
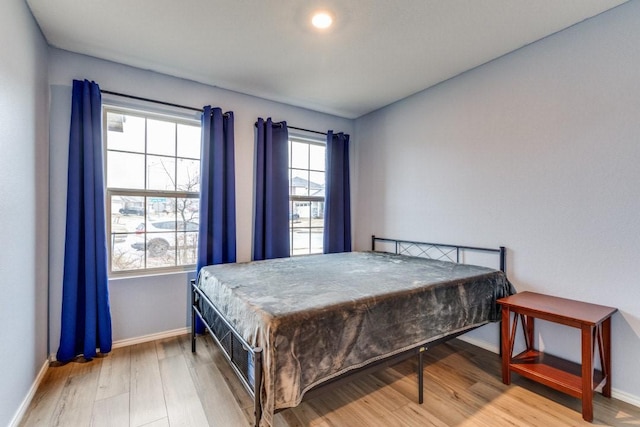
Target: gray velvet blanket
x: 319, y: 316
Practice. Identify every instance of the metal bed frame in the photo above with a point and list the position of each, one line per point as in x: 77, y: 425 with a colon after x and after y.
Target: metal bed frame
x: 246, y: 361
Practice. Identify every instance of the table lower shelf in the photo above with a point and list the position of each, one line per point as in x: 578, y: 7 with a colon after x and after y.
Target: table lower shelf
x: 553, y: 371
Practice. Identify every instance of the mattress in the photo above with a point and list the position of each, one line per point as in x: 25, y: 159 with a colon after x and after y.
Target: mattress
x: 319, y: 316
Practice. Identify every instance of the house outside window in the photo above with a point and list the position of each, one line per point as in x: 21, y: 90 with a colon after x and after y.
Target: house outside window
x: 153, y: 184
x: 306, y: 195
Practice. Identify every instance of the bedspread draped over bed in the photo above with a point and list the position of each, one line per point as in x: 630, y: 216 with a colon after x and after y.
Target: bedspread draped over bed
x: 319, y: 316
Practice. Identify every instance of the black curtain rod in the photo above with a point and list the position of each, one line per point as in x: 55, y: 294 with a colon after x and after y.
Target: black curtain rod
x: 297, y: 128
x: 139, y: 98
x: 307, y: 130
x: 155, y: 101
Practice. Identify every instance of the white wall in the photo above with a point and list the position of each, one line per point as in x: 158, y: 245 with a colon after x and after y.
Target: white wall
x: 144, y: 306
x: 538, y: 151
x: 23, y: 205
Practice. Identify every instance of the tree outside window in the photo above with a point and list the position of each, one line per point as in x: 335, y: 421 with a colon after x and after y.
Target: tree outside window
x: 153, y: 184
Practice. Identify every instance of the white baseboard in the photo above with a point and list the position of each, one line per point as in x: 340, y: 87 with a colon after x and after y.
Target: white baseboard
x: 479, y: 343
x: 145, y: 338
x: 151, y: 337
x: 616, y: 394
x: 17, y: 418
x: 625, y: 397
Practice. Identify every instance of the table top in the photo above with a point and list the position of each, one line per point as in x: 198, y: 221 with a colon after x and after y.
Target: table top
x: 582, y: 312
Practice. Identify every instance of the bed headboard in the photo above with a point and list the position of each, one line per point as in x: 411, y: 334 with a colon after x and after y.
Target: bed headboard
x: 438, y: 251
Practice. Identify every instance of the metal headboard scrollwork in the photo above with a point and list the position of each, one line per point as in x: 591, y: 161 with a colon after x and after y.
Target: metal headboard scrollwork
x: 437, y: 251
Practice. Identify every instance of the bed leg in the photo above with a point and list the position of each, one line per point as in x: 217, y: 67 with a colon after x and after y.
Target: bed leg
x: 193, y: 318
x: 257, y: 381
x: 193, y: 331
x: 421, y: 375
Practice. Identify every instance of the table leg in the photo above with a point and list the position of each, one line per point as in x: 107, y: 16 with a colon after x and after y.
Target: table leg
x: 606, y: 353
x: 506, y: 345
x: 527, y: 325
x: 587, y: 373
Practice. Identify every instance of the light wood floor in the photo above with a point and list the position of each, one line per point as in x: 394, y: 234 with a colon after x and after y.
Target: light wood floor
x: 163, y: 384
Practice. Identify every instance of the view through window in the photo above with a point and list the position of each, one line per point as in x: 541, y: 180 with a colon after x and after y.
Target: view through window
x: 153, y: 184
x: 306, y: 195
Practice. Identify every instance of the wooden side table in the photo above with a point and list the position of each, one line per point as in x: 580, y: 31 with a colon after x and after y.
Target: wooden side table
x: 578, y: 380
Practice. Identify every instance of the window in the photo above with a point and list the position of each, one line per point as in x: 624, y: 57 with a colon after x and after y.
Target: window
x: 153, y: 184
x: 306, y: 195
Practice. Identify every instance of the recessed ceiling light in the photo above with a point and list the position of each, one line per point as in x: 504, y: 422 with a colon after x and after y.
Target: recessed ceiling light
x: 322, y: 20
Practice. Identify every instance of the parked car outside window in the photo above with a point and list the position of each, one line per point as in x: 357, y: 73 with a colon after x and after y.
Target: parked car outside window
x: 162, y: 236
x: 132, y: 210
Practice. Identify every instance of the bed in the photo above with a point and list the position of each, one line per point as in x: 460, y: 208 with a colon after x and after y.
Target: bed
x: 293, y: 327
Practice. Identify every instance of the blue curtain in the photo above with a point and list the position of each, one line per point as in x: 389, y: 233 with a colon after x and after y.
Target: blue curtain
x: 217, y: 231
x: 337, y: 206
x: 86, y: 318
x: 271, y: 226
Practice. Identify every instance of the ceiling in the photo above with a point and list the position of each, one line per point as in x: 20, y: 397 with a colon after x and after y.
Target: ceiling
x: 377, y: 51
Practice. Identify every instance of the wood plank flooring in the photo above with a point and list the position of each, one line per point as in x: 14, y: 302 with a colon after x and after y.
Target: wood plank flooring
x: 162, y: 383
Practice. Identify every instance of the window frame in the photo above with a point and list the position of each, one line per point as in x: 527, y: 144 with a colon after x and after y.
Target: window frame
x: 146, y: 113
x: 311, y: 141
